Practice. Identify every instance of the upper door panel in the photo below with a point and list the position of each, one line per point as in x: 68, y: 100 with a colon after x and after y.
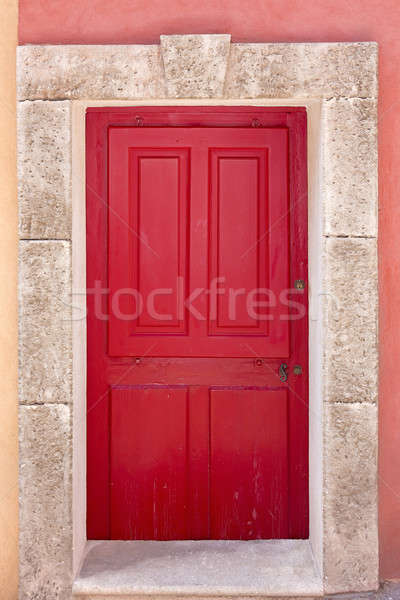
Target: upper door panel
x: 198, y: 242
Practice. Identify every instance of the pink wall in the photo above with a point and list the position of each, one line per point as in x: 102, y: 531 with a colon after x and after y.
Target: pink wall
x: 142, y: 21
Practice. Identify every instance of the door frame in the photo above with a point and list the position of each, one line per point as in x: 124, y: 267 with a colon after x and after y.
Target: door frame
x: 313, y: 109
x: 337, y: 83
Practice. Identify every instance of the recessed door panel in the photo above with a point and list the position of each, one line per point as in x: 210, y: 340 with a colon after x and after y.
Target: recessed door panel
x: 159, y: 250
x: 148, y: 239
x: 238, y: 251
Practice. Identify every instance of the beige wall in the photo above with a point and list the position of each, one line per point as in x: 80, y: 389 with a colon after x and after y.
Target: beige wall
x: 8, y: 307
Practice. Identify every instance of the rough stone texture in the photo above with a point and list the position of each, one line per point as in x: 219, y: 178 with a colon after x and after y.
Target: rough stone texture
x: 45, y: 502
x: 101, y: 596
x: 195, y: 65
x: 350, y: 498
x: 389, y: 591
x: 45, y: 322
x: 302, y: 70
x: 94, y: 72
x: 351, y: 349
x: 190, y: 597
x: 201, y: 568
x: 44, y: 169
x: 350, y: 163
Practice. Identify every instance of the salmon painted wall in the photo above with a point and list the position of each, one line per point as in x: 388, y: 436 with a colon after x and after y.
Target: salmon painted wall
x: 142, y: 21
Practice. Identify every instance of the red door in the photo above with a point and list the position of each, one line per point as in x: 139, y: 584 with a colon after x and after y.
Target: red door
x: 197, y: 323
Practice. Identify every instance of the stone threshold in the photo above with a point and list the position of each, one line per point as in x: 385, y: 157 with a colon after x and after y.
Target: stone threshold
x: 200, y: 569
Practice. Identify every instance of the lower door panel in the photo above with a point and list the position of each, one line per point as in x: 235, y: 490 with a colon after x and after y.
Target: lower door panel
x: 248, y: 464
x: 198, y: 463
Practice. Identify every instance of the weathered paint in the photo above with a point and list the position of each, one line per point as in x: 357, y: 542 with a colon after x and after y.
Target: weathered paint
x: 124, y: 21
x: 185, y: 412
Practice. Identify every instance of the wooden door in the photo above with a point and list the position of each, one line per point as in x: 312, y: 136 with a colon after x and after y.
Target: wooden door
x: 197, y: 323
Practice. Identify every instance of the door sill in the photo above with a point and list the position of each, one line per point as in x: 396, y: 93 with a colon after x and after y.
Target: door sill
x: 204, y: 569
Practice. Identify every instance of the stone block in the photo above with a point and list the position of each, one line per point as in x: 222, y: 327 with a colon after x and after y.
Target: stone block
x: 46, y: 500
x: 350, y: 498
x: 302, y: 70
x: 44, y: 170
x: 202, y: 569
x: 195, y: 65
x: 45, y: 322
x: 350, y: 165
x: 350, y: 320
x: 103, y: 72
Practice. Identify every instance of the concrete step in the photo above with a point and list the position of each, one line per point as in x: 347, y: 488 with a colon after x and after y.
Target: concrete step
x: 198, y: 569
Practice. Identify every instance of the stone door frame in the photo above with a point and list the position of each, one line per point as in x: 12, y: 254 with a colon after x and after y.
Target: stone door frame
x: 337, y: 82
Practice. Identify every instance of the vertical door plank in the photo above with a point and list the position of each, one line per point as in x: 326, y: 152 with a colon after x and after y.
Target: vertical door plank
x: 148, y: 463
x: 249, y: 464
x: 198, y: 463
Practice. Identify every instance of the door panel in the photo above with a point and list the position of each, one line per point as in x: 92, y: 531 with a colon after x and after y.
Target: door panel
x: 159, y: 261
x: 148, y: 233
x: 248, y: 464
x: 192, y: 432
x: 238, y: 251
x: 234, y: 194
x: 148, y: 463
